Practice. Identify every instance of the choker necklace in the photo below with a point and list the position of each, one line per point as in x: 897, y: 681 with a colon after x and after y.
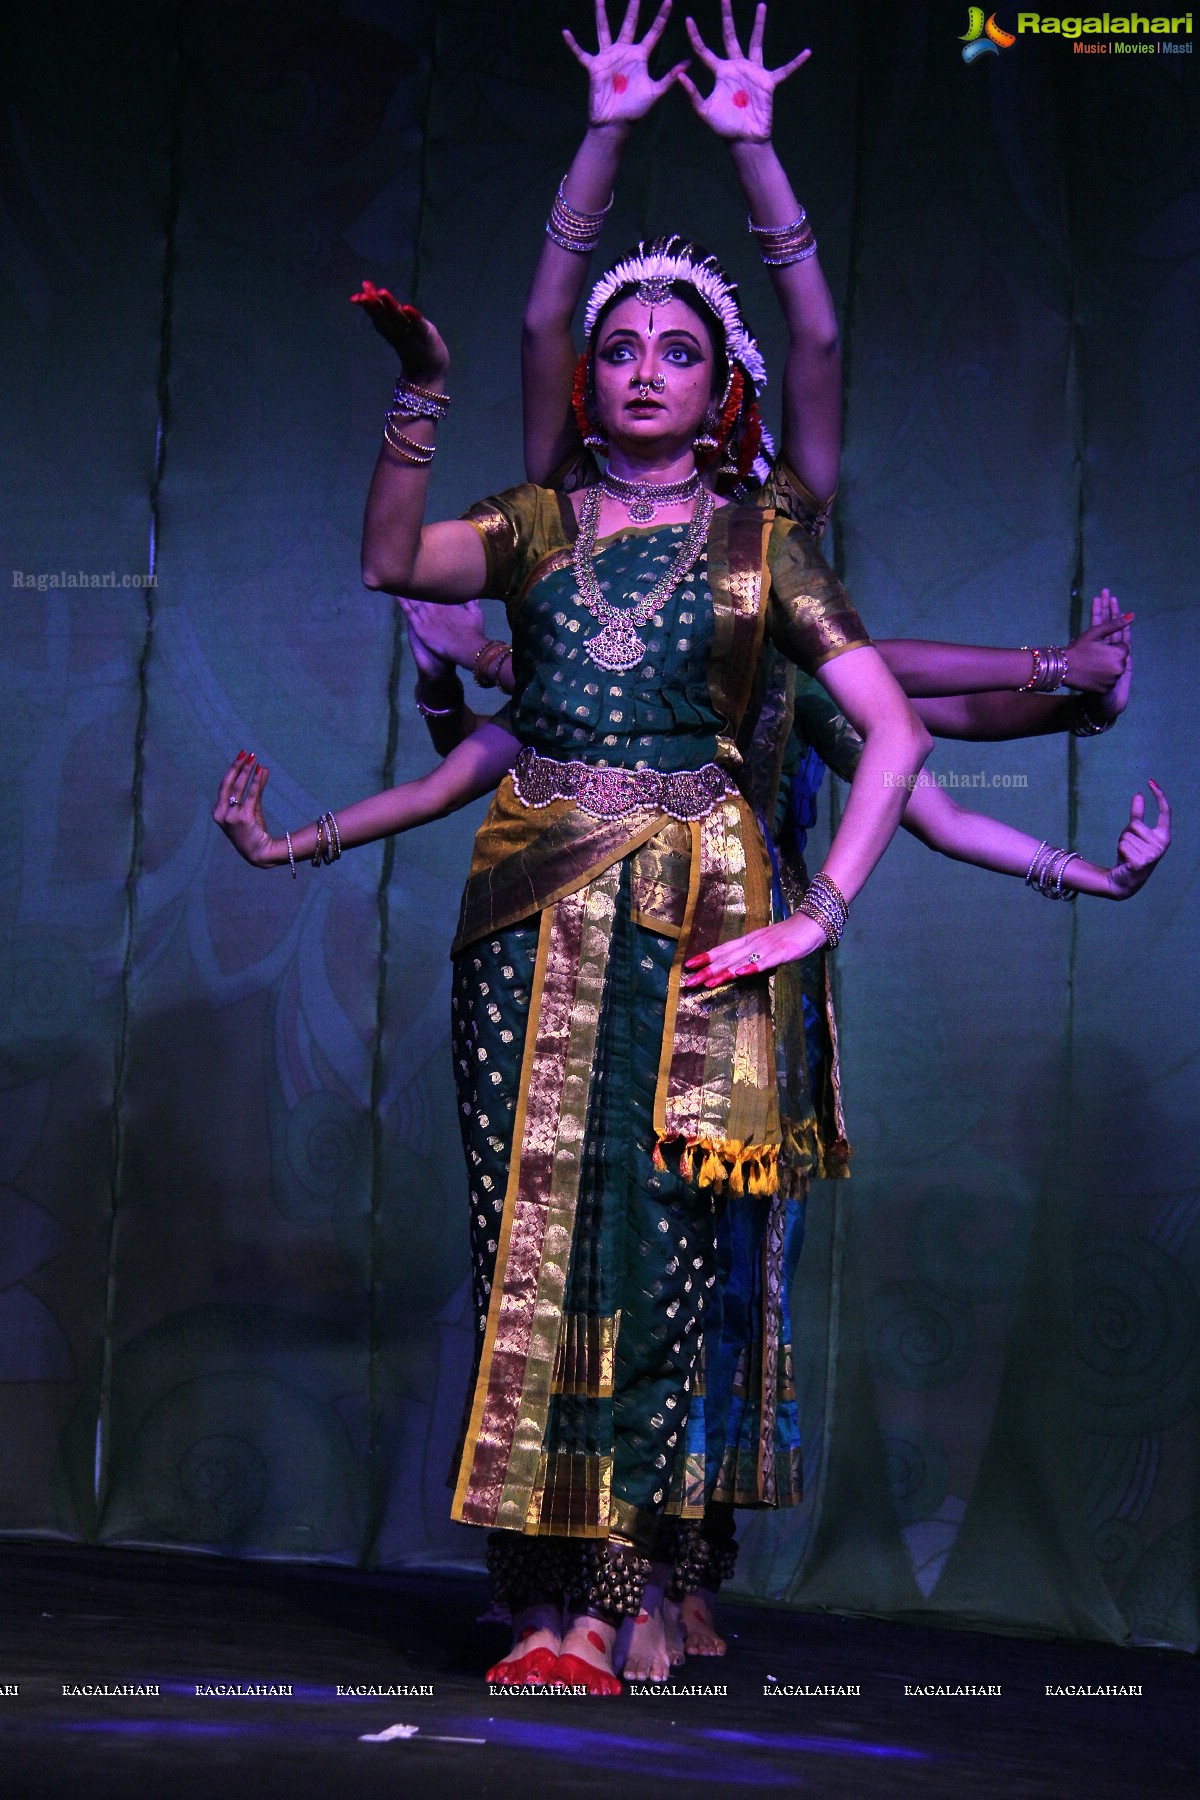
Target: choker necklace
x: 617, y: 646
x: 642, y: 499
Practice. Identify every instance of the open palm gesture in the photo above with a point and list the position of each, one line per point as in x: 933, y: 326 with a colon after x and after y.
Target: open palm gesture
x: 742, y: 102
x: 620, y: 85
x: 1112, y: 703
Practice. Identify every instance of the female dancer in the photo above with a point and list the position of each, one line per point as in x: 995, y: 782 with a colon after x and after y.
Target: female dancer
x: 752, y: 1466
x: 577, y: 1434
x: 606, y: 1090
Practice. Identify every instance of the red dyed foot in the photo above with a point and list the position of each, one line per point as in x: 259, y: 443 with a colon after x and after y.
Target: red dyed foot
x: 572, y: 1671
x: 537, y: 1668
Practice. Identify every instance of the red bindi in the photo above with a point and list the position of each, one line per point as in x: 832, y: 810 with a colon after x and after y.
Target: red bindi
x: 741, y: 98
x: 620, y: 83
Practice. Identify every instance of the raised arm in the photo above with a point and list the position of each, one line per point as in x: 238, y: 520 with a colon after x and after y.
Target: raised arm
x: 740, y: 109
x: 445, y: 562
x: 621, y: 90
x: 470, y: 770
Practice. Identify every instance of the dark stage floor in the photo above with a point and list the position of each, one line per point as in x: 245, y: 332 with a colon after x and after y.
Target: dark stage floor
x: 71, y: 1617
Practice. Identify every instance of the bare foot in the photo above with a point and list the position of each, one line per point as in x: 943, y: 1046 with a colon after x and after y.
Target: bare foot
x: 673, y: 1629
x: 537, y: 1636
x: 701, y: 1637
x: 585, y: 1659
x: 645, y: 1656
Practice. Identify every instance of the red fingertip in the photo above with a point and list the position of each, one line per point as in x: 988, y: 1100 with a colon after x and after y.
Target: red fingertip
x: 410, y: 312
x: 1127, y: 617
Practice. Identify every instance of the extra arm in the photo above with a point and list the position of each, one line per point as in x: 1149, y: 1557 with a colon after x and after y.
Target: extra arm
x: 740, y: 109
x: 974, y: 837
x: 621, y: 90
x: 468, y: 772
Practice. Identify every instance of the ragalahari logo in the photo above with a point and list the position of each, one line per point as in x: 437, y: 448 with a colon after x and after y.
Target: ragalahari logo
x: 984, y: 37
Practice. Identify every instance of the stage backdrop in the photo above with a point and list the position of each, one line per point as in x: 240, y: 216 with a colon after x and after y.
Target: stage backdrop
x: 234, y: 1310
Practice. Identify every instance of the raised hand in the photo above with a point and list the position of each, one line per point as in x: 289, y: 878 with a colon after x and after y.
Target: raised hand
x: 1097, y: 660
x: 743, y: 98
x: 238, y: 811
x: 1141, y: 847
x: 411, y: 335
x: 620, y: 85
x: 1109, y: 705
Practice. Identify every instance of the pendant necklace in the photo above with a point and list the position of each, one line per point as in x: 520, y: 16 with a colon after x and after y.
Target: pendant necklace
x: 617, y: 646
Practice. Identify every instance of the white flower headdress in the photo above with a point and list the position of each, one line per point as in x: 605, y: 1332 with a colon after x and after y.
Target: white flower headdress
x: 654, y: 267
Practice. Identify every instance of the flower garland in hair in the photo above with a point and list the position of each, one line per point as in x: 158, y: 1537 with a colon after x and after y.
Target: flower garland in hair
x: 670, y: 260
x: 579, y: 396
x: 733, y: 406
x: 752, y: 441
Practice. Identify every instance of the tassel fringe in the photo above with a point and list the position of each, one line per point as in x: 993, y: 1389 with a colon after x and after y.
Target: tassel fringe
x: 725, y: 1164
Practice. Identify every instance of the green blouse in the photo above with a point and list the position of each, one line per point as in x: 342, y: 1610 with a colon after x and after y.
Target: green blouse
x: 679, y: 706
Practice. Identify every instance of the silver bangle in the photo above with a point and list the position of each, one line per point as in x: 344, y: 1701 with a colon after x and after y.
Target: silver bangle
x: 409, y: 401
x: 825, y: 904
x: 1049, y: 669
x: 572, y: 230
x: 405, y: 447
x: 782, y: 245
x: 1046, y: 869
x: 1083, y: 724
x: 291, y: 855
x: 440, y: 712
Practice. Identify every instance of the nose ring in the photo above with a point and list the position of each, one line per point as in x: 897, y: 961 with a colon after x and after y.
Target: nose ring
x: 656, y: 384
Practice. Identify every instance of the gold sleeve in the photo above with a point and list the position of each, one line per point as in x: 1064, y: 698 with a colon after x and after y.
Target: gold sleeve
x: 518, y: 528
x: 784, y: 490
x: 810, y: 616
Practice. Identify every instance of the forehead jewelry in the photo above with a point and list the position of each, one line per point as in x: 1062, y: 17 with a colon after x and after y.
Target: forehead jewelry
x: 651, y: 272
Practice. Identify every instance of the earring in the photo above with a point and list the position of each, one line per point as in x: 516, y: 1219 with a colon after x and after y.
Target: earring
x: 589, y: 431
x: 706, y: 441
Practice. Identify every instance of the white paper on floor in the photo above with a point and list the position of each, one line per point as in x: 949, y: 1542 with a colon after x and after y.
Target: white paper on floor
x: 410, y: 1731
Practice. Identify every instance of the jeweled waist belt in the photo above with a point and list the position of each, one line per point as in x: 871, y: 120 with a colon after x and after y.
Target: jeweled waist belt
x: 683, y: 794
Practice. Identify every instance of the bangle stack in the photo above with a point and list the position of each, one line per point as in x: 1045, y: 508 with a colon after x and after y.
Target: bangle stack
x: 825, y: 904
x: 1049, y: 670
x: 578, y: 232
x: 782, y: 245
x: 329, y: 841
x: 489, y: 662
x: 409, y: 402
x: 1046, y: 870
x: 1082, y: 722
x: 441, y: 712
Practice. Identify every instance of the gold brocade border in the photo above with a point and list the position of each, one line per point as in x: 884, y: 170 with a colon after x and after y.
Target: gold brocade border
x: 716, y: 1087
x: 737, y: 544
x: 526, y: 858
x: 471, y: 1490
x: 560, y: 1082
x: 586, y: 1359
x: 512, y: 1394
x: 686, y: 1499
x: 571, y: 1496
x: 773, y: 1302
